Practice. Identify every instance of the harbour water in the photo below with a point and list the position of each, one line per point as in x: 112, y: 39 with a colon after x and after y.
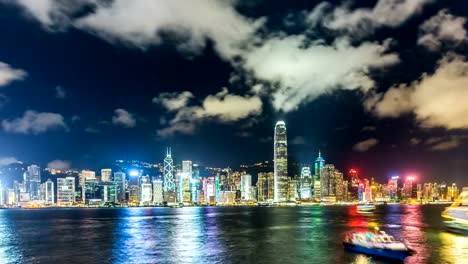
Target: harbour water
x: 218, y: 234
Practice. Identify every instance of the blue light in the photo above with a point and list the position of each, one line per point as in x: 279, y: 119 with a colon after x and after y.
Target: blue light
x: 133, y: 173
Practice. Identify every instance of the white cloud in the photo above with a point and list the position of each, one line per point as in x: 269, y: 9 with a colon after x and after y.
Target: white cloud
x: 442, y: 28
x: 123, y: 118
x: 8, y: 74
x: 140, y: 23
x: 59, y: 164
x: 437, y: 100
x: 369, y: 128
x: 60, y: 92
x: 173, y: 101
x: 303, y: 72
x: 415, y: 141
x: 7, y: 160
x: 365, y: 145
x: 222, y: 107
x: 35, y: 123
x: 361, y: 22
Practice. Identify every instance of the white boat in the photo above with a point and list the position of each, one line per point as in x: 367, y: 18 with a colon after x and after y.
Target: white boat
x: 456, y: 215
x: 378, y: 244
x: 367, y: 207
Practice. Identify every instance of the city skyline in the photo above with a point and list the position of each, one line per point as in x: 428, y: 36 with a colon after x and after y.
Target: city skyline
x: 364, y: 88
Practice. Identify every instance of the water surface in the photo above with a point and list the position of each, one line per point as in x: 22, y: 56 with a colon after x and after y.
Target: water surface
x: 218, y: 234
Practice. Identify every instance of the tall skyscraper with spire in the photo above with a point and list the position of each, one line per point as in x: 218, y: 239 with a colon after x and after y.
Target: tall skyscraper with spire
x: 318, y: 165
x: 169, y: 184
x: 280, y: 163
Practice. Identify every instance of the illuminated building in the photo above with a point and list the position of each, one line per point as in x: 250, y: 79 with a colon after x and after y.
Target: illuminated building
x: 158, y: 192
x: 305, y: 183
x: 91, y: 191
x: 393, y: 187
x: 452, y: 192
x: 409, y: 188
x: 217, y: 188
x: 66, y: 191
x: 209, y: 190
x: 318, y: 165
x: 32, y: 181
x: 11, y: 197
x: 186, y: 181
x: 331, y: 183
x: 106, y: 175
x: 195, y: 184
x: 293, y: 193
x: 187, y: 166
x: 134, y: 183
x: 280, y: 163
x: 120, y: 182
x: 265, y: 187
x: 48, y: 195
x: 86, y: 174
x: 146, y: 191
x: 227, y: 197
x: 169, y: 184
x: 246, y: 184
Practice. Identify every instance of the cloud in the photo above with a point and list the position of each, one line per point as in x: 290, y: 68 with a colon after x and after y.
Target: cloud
x: 298, y: 140
x: 361, y: 22
x: 301, y: 72
x: 60, y: 92
x: 59, y: 164
x: 143, y: 23
x: 92, y: 130
x: 443, y: 143
x: 3, y: 100
x: 75, y: 118
x: 436, y: 100
x: 7, y: 161
x: 415, y: 141
x: 123, y: 118
x: 34, y: 123
x: 8, y: 74
x: 173, y: 101
x: 221, y: 107
x: 442, y: 28
x: 365, y: 145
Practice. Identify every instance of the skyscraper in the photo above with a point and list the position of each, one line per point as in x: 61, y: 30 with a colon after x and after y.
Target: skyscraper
x: 331, y: 183
x: 146, y: 191
x: 280, y: 163
x: 66, y: 191
x: 318, y: 165
x: 106, y: 175
x: 306, y: 183
x: 119, y: 179
x: 246, y: 184
x: 32, y: 181
x: 169, y: 184
x: 186, y: 180
x: 157, y: 191
x: 265, y: 187
x: 48, y: 195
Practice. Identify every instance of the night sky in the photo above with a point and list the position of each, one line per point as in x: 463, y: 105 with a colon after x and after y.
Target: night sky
x: 382, y: 87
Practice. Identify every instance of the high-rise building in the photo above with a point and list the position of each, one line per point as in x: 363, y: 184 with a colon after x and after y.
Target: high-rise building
x: 209, y: 190
x: 120, y: 182
x: 293, y: 193
x: 134, y: 183
x: 86, y: 174
x: 158, y: 192
x: 32, y: 181
x: 91, y: 191
x: 106, y: 175
x: 318, y: 165
x: 146, y: 191
x: 66, y: 191
x: 48, y: 195
x: 280, y: 162
x: 331, y: 183
x: 169, y: 184
x: 265, y: 187
x: 305, y: 183
x: 246, y: 184
x: 187, y: 166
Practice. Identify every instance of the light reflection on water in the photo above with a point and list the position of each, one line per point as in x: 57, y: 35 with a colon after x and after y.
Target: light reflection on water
x: 218, y: 235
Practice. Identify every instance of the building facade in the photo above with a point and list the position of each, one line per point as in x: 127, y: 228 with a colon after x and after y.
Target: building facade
x: 280, y: 163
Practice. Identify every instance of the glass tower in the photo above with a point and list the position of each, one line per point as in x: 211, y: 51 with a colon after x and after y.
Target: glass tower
x: 169, y: 184
x: 280, y: 163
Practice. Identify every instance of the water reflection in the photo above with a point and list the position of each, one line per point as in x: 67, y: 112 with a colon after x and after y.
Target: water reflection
x: 454, y: 247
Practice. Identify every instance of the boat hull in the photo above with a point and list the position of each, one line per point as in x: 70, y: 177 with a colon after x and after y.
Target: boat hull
x: 382, y: 253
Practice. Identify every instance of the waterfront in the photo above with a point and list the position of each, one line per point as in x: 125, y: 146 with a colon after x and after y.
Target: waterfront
x: 217, y: 234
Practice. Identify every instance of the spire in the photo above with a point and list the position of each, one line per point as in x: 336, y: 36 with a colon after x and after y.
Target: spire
x: 168, y: 152
x: 320, y: 154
